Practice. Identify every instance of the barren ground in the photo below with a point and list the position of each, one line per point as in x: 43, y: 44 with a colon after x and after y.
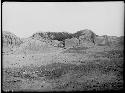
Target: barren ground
x: 79, y: 69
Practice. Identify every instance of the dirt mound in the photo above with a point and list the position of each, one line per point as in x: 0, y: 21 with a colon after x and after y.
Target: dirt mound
x: 10, y: 39
x: 116, y: 41
x: 109, y: 41
x: 87, y: 38
x: 60, y: 36
x: 85, y: 35
x: 10, y: 42
x: 73, y: 42
x: 81, y: 38
x: 53, y: 38
x: 46, y: 40
x: 101, y: 40
x: 36, y: 46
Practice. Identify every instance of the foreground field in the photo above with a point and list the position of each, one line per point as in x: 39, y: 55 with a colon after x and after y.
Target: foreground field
x: 78, y: 69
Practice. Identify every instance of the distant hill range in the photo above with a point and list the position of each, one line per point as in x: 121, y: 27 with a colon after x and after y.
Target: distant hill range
x: 53, y: 41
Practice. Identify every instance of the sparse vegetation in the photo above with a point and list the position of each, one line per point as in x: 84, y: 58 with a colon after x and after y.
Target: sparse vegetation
x: 76, y: 50
x: 75, y: 68
x: 59, y: 71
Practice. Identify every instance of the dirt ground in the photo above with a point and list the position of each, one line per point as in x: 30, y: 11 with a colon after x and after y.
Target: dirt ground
x: 75, y: 69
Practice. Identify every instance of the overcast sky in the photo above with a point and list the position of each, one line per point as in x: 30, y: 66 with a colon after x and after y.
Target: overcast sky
x: 26, y: 18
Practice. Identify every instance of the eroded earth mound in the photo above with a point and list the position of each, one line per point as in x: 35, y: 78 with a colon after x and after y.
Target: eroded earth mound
x: 50, y: 61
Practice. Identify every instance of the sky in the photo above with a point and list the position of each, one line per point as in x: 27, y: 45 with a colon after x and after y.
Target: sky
x: 25, y: 18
